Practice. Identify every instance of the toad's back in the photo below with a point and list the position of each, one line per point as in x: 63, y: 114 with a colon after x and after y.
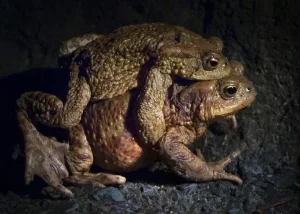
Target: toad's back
x: 112, y: 63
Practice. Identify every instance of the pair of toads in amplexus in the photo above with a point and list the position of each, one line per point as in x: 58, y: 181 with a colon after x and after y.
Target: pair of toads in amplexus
x: 139, y: 94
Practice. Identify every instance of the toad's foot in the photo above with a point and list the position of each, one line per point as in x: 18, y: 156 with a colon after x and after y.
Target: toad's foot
x: 218, y: 167
x: 190, y: 166
x: 44, y: 157
x: 97, y: 179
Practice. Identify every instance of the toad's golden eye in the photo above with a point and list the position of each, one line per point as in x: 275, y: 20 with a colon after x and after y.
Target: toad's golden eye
x: 211, y: 63
x: 230, y: 90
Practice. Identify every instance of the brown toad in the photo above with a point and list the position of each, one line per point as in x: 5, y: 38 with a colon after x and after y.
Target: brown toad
x: 108, y: 137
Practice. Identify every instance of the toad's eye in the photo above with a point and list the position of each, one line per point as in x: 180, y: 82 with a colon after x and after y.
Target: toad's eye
x: 211, y: 63
x: 229, y: 91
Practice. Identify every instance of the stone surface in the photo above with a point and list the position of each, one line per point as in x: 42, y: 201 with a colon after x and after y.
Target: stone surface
x: 111, y: 193
x: 263, y: 35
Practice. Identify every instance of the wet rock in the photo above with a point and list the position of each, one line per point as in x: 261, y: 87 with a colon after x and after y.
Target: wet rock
x: 283, y: 180
x: 108, y: 192
x: 250, y: 167
x: 73, y: 208
x: 234, y: 207
x: 252, y: 198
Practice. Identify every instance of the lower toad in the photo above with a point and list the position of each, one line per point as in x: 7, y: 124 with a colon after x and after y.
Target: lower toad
x: 107, y: 136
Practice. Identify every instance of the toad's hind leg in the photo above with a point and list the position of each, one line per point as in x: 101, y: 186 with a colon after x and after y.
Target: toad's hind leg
x: 50, y: 110
x: 79, y: 159
x: 44, y: 156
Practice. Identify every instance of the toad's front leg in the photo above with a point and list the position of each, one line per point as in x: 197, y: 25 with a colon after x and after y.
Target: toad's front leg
x: 190, y: 166
x: 149, y: 107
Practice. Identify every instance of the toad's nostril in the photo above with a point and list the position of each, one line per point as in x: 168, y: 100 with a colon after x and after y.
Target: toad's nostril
x: 248, y: 89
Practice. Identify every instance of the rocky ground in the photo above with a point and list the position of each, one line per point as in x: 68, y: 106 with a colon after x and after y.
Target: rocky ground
x: 263, y: 35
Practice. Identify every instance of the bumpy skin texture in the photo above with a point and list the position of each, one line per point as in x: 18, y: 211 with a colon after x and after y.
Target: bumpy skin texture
x: 110, y: 131
x: 147, y: 56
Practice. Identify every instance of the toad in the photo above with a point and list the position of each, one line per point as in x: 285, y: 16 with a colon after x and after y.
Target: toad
x: 107, y: 136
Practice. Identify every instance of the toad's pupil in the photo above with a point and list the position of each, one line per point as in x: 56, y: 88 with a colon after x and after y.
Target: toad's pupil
x: 231, y: 90
x: 213, y: 62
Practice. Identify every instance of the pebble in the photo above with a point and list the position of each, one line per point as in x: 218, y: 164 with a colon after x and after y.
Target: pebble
x: 109, y: 192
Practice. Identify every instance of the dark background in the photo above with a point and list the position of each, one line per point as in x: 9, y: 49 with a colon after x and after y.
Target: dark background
x: 263, y: 35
